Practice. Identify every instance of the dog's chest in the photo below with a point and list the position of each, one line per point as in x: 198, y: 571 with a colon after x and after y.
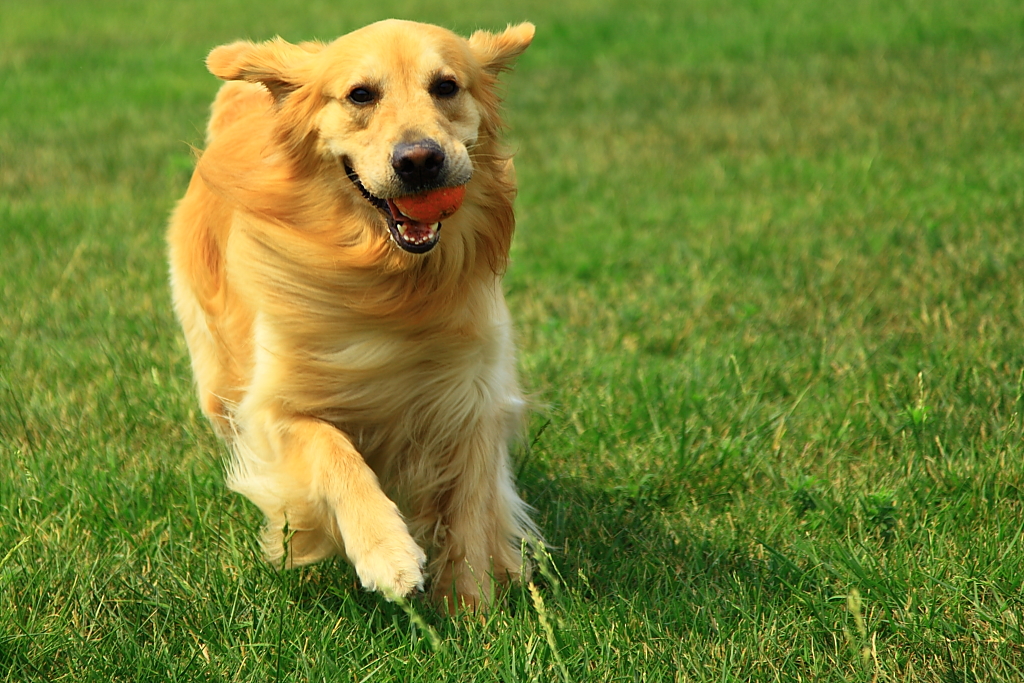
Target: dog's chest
x: 403, y: 393
x: 371, y: 374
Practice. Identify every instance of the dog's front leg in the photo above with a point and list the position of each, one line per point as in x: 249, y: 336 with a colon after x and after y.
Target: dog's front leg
x: 317, y: 483
x: 484, y: 521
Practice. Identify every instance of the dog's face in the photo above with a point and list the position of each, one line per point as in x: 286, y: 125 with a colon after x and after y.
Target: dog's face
x: 395, y: 108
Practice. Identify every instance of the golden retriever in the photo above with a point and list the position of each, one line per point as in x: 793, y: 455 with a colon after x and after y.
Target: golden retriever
x: 359, y: 363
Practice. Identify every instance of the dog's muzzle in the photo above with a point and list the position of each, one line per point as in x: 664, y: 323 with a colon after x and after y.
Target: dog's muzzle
x: 411, y: 235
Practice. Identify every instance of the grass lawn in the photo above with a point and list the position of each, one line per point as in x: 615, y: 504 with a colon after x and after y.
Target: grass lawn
x: 769, y: 288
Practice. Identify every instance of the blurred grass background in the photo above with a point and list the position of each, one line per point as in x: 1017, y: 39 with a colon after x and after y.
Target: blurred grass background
x: 769, y: 293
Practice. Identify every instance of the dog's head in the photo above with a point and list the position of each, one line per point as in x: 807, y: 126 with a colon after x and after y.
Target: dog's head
x: 393, y: 109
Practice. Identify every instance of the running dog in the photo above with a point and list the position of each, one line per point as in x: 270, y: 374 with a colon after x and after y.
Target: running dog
x: 357, y: 354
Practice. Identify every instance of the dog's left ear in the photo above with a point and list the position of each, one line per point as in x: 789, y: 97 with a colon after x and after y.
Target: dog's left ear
x: 274, y: 63
x: 497, y: 51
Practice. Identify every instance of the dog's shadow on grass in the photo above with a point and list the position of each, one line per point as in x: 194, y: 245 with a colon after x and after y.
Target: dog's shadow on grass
x: 632, y: 545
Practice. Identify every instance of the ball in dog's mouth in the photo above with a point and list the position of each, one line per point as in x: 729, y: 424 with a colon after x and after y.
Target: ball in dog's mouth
x: 432, y: 206
x: 414, y: 236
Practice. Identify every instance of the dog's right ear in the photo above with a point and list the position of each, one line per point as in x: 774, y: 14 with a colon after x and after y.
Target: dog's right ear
x: 275, y: 63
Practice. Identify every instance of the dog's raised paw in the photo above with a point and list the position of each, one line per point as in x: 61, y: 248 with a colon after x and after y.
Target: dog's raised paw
x: 394, y: 567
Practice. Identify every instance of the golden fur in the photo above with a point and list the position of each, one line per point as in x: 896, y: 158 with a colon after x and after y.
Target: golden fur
x: 367, y: 393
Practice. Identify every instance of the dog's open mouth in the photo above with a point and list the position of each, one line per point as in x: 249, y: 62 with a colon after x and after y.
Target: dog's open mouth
x: 410, y: 235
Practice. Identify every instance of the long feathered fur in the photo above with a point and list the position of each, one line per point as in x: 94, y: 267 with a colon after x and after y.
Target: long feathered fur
x: 348, y: 375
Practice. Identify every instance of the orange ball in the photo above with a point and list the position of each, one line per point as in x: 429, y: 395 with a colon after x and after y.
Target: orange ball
x: 433, y: 206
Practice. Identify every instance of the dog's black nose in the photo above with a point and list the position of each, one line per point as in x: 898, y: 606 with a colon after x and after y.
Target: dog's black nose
x: 418, y: 163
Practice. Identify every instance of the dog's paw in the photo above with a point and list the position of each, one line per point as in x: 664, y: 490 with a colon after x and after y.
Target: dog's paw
x: 393, y: 566
x: 385, y: 556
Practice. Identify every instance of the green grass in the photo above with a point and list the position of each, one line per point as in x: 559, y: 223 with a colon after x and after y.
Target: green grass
x: 769, y: 287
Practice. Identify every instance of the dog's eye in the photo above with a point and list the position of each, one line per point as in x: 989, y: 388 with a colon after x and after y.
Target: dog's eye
x: 362, y: 96
x: 444, y: 88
